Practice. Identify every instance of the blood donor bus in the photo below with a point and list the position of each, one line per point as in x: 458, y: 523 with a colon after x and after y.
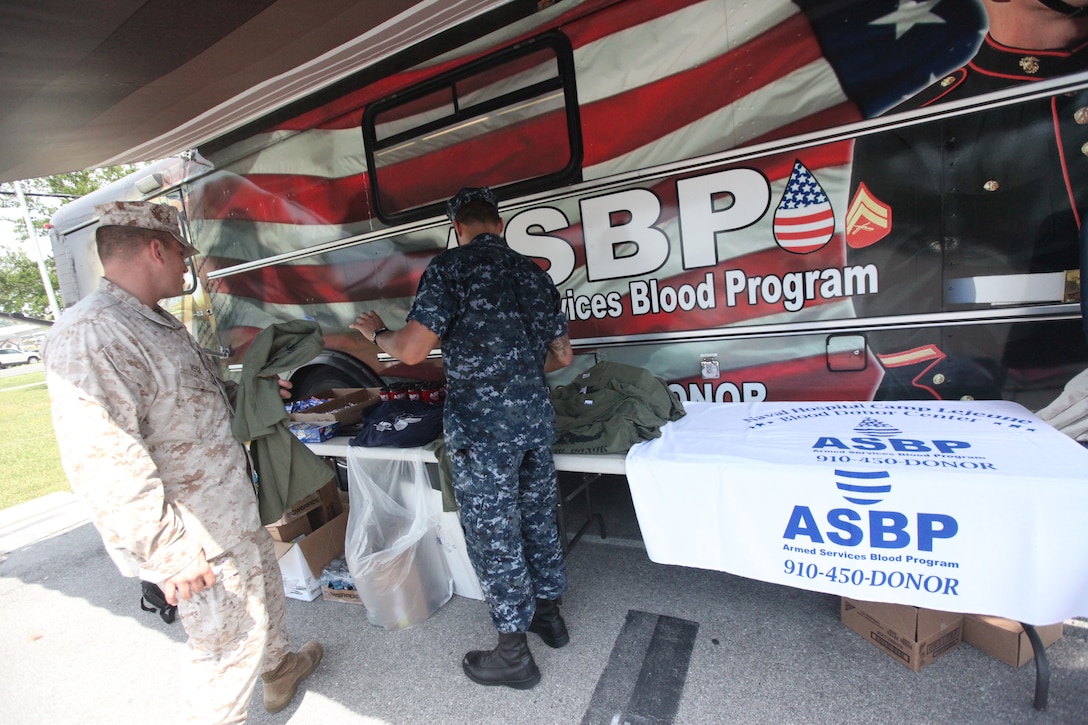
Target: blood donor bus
x: 755, y: 201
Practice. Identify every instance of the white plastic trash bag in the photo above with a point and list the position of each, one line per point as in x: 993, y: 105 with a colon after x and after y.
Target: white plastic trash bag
x: 392, y: 545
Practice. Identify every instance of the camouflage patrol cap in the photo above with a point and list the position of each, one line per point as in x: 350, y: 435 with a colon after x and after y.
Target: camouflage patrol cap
x: 468, y: 195
x: 143, y: 215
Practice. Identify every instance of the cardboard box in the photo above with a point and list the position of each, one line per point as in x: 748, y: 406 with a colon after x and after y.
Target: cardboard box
x: 291, y: 530
x: 329, y: 505
x: 301, y: 562
x: 347, y: 596
x: 321, y: 507
x: 1005, y: 639
x: 314, y: 432
x: 298, y: 509
x: 346, y: 406
x: 911, y: 635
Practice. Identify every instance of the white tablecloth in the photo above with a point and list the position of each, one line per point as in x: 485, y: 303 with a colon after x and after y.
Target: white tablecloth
x: 975, y: 507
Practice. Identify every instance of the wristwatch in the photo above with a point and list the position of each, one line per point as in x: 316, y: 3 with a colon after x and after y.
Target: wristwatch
x: 374, y: 337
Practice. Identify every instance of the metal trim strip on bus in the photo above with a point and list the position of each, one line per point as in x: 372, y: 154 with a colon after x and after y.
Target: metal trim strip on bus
x: 1047, y: 313
x: 969, y: 318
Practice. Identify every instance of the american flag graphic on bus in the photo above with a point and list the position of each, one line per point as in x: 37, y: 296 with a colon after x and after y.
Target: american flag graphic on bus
x: 658, y: 81
x: 804, y: 220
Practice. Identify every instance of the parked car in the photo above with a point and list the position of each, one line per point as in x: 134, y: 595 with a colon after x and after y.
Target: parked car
x: 10, y: 356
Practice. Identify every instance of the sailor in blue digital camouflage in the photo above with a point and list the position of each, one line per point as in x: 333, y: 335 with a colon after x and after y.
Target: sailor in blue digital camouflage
x: 143, y: 422
x: 499, y: 321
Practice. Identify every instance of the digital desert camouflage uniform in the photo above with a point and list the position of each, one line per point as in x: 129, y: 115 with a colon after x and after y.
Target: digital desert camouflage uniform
x: 496, y: 312
x: 143, y: 423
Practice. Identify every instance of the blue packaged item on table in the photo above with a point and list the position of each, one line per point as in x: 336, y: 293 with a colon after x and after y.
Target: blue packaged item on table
x: 299, y: 406
x: 314, y: 432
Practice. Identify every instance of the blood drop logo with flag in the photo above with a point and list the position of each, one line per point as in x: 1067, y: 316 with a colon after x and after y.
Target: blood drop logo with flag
x: 804, y: 221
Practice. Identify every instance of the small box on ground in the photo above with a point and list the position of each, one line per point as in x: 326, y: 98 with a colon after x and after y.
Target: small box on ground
x: 346, y: 596
x: 345, y: 406
x: 302, y: 562
x: 337, y: 584
x: 912, y: 636
x: 314, y: 432
x: 1005, y: 639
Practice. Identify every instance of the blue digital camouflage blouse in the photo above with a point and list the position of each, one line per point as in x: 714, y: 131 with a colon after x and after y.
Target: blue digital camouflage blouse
x: 495, y: 312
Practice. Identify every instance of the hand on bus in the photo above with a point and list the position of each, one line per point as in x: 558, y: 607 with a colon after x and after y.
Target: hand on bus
x: 367, y: 322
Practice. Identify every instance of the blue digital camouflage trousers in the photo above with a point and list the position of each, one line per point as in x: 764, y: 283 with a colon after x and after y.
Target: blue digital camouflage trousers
x: 507, y: 499
x: 237, y: 631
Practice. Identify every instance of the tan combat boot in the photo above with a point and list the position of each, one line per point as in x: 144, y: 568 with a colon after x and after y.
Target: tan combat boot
x: 281, y: 684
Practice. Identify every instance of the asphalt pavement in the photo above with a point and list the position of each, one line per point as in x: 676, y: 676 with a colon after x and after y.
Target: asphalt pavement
x: 650, y: 644
x: 21, y: 370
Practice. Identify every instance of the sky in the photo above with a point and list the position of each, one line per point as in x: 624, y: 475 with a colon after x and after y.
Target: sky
x: 10, y: 241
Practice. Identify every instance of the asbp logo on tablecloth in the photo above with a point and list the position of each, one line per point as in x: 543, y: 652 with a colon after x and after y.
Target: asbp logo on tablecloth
x: 868, y: 521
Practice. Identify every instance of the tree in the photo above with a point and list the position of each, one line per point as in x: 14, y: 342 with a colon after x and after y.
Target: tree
x: 45, y: 195
x: 21, y: 290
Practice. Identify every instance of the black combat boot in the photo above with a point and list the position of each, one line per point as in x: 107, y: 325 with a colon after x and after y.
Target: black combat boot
x: 510, y: 663
x: 549, y: 624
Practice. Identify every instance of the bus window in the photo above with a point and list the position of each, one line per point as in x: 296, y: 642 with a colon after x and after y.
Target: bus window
x: 508, y: 121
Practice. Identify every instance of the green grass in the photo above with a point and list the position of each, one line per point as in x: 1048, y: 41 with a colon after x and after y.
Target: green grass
x: 29, y: 456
